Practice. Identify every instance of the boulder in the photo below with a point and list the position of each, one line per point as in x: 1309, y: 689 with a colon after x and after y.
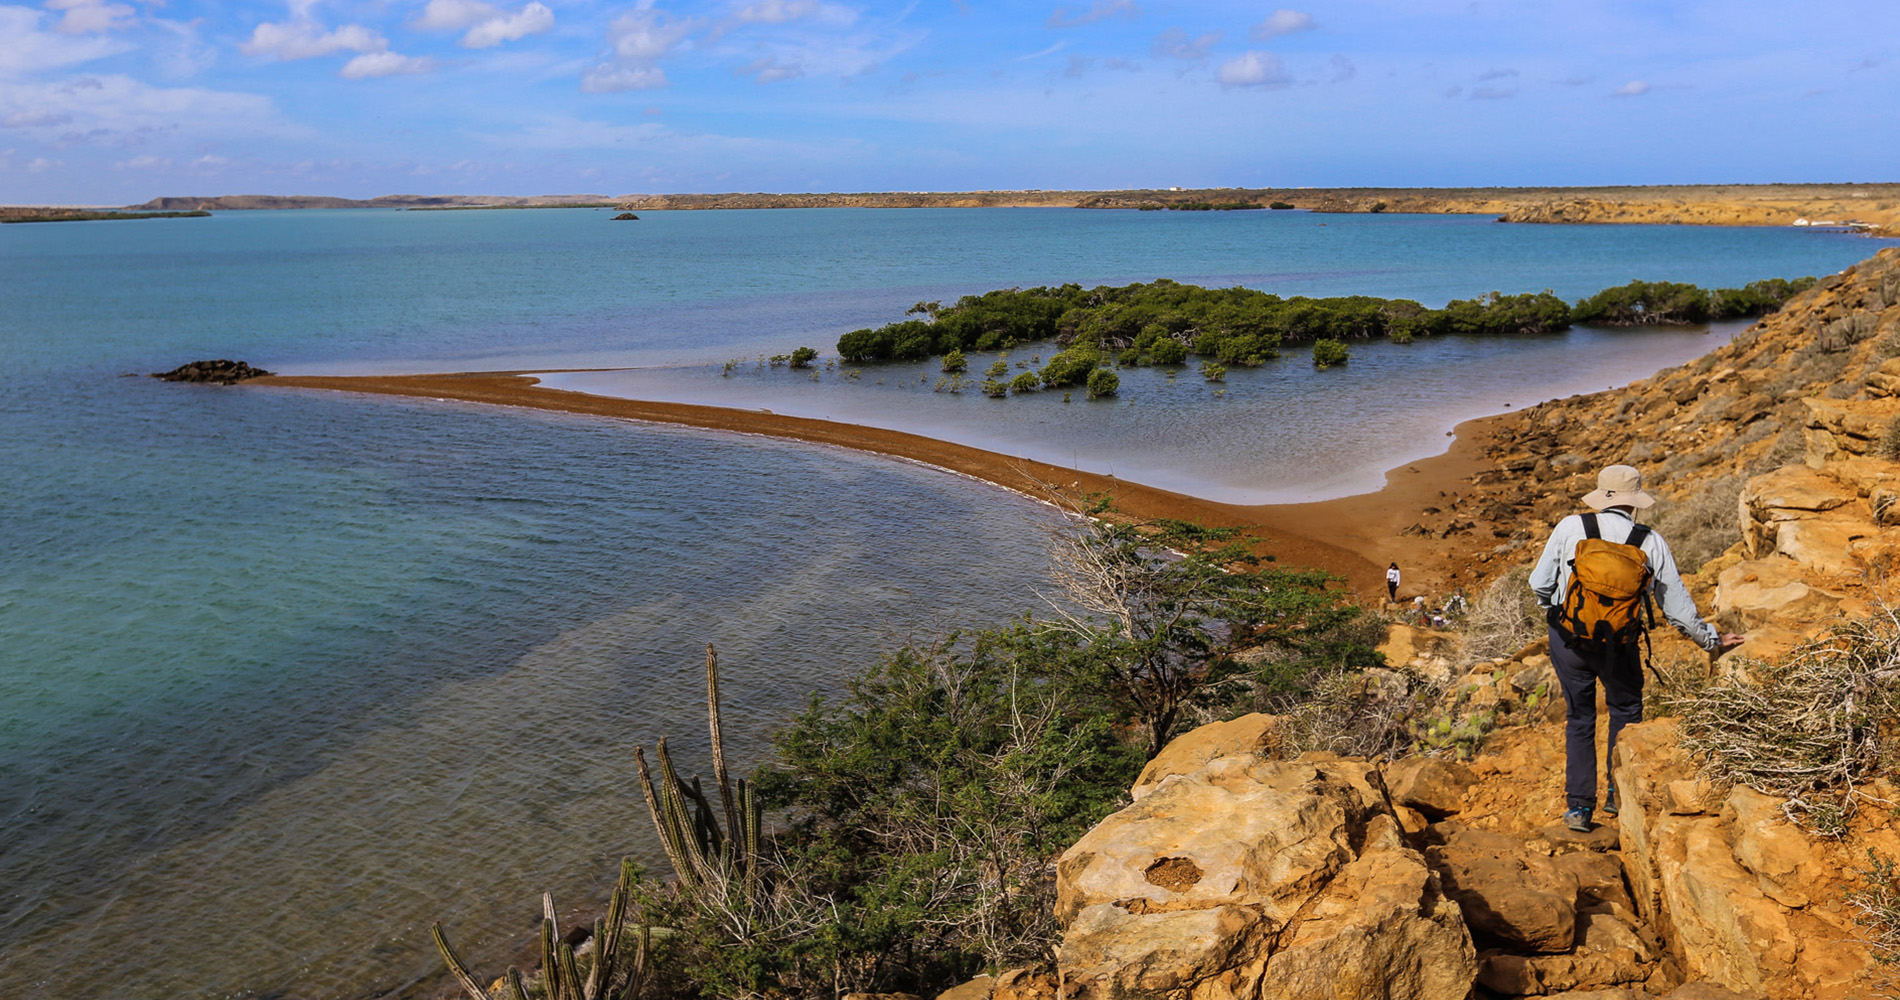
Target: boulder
x: 1772, y: 588
x: 1822, y: 543
x: 1188, y: 752
x: 979, y: 988
x: 1839, y: 428
x: 1021, y: 984
x: 1781, y: 856
x: 223, y: 371
x: 1608, y: 953
x: 1435, y: 786
x: 1793, y: 492
x: 1511, y: 896
x: 1257, y: 878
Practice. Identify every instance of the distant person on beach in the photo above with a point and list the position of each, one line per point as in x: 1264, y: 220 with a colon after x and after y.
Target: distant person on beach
x: 1595, y: 581
x: 1392, y: 583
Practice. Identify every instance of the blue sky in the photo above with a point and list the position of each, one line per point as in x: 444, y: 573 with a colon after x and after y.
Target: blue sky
x: 117, y: 101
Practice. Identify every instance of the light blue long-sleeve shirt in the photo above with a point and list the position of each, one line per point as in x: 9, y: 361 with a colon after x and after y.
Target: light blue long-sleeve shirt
x: 1550, y: 579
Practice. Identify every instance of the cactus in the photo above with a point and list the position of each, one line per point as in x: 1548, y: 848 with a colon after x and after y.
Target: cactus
x: 612, y: 974
x: 701, y: 851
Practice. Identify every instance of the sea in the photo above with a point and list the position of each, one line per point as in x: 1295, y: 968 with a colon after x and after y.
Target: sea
x: 286, y: 675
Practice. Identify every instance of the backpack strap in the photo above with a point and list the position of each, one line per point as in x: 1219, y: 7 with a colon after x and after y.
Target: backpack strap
x: 1590, y: 529
x: 1638, y: 535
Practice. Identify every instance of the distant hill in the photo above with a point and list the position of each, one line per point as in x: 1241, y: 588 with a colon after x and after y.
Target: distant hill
x: 1871, y: 207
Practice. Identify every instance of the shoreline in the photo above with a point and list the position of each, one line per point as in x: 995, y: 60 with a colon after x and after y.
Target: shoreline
x: 1352, y: 537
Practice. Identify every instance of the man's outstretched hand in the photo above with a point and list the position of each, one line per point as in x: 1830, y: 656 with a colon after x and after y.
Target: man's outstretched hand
x: 1730, y: 640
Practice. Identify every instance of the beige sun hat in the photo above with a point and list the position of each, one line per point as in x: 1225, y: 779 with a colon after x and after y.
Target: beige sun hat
x: 1619, y: 486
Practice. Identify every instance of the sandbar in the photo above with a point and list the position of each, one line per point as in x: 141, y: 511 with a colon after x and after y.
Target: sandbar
x: 1352, y: 537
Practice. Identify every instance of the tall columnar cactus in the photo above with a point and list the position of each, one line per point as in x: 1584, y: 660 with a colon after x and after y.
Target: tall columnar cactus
x: 707, y: 857
x: 617, y: 972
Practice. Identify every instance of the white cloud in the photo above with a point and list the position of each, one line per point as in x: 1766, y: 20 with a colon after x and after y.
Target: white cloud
x: 40, y: 165
x: 647, y: 35
x: 1281, y: 22
x: 1634, y: 88
x: 118, y: 109
x: 454, y: 15
x: 640, y: 38
x: 34, y: 119
x: 1100, y: 10
x: 24, y: 48
x: 144, y: 163
x: 776, y: 11
x: 85, y: 17
x: 488, y: 26
x: 371, y: 65
x: 532, y: 19
x: 615, y: 79
x: 768, y: 70
x: 1253, y: 69
x: 1176, y: 44
x: 304, y: 39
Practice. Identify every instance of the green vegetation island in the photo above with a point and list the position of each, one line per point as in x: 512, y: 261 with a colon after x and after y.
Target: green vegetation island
x: 1164, y: 322
x: 8, y: 215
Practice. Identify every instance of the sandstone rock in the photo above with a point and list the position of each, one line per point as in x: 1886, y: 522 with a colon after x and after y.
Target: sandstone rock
x: 1260, y: 878
x: 1837, y: 428
x: 1188, y: 752
x: 1511, y: 896
x: 1434, y: 786
x: 1706, y: 991
x: 1384, y: 929
x: 1726, y: 929
x: 1763, y: 589
x: 1600, y: 887
x: 1021, y: 984
x: 1878, y: 553
x: 1608, y: 953
x: 1793, y: 492
x: 1683, y: 797
x: 1557, y: 839
x: 1537, y: 673
x: 1822, y: 543
x: 1779, y: 854
x: 979, y: 988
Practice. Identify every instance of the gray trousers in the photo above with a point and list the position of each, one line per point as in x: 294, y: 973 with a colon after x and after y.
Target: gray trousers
x: 1621, y: 672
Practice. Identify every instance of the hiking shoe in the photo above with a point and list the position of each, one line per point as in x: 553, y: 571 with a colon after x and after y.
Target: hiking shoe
x: 1577, y: 818
x: 1609, y: 802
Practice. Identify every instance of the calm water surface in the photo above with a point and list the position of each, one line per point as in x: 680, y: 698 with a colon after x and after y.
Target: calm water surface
x: 284, y: 676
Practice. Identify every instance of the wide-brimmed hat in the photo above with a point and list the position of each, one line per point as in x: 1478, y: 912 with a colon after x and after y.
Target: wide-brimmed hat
x: 1619, y: 486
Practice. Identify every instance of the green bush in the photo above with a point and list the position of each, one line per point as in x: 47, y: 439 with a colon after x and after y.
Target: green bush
x: 1281, y: 205
x: 1213, y: 372
x: 995, y: 388
x: 1103, y: 382
x: 1168, y: 351
x: 1071, y: 367
x: 802, y: 357
x: 955, y: 361
x: 1025, y: 382
x: 1327, y: 353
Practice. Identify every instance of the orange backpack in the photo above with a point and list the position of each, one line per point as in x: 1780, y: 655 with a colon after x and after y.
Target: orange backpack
x: 1609, y: 589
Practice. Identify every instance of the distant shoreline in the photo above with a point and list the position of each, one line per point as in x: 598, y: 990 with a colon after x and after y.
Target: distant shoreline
x: 1874, y: 208
x: 1353, y: 537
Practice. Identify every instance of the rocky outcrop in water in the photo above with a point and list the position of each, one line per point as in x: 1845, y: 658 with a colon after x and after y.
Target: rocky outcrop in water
x: 221, y: 371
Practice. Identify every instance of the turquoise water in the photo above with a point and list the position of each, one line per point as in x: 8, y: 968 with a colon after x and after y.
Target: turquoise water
x: 284, y: 675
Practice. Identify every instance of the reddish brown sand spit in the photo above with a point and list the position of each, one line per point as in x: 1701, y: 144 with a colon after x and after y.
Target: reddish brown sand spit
x: 1353, y: 537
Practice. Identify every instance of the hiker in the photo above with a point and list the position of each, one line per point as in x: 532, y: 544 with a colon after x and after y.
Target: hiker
x: 1456, y: 605
x: 1392, y: 584
x: 1596, y: 578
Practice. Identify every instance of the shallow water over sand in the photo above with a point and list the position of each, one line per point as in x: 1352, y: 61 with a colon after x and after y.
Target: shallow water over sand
x: 284, y: 676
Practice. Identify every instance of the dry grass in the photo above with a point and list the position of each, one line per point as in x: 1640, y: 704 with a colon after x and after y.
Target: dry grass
x: 1704, y: 523
x: 1503, y: 619
x: 1875, y: 906
x: 1807, y: 729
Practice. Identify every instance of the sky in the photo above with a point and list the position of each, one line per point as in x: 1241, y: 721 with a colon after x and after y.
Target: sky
x: 119, y: 101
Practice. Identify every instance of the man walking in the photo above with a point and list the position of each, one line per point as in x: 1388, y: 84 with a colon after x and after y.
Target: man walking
x: 1596, y: 571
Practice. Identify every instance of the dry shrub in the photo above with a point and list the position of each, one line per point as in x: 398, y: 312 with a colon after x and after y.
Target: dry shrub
x: 1875, y: 906
x: 1504, y: 618
x: 1368, y: 715
x: 1704, y: 523
x: 1809, y: 728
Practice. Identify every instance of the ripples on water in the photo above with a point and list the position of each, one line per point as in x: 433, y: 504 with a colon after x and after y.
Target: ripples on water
x: 285, y: 676
x: 393, y: 669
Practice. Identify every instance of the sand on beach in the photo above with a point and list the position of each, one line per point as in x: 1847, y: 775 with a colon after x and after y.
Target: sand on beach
x: 1352, y: 537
